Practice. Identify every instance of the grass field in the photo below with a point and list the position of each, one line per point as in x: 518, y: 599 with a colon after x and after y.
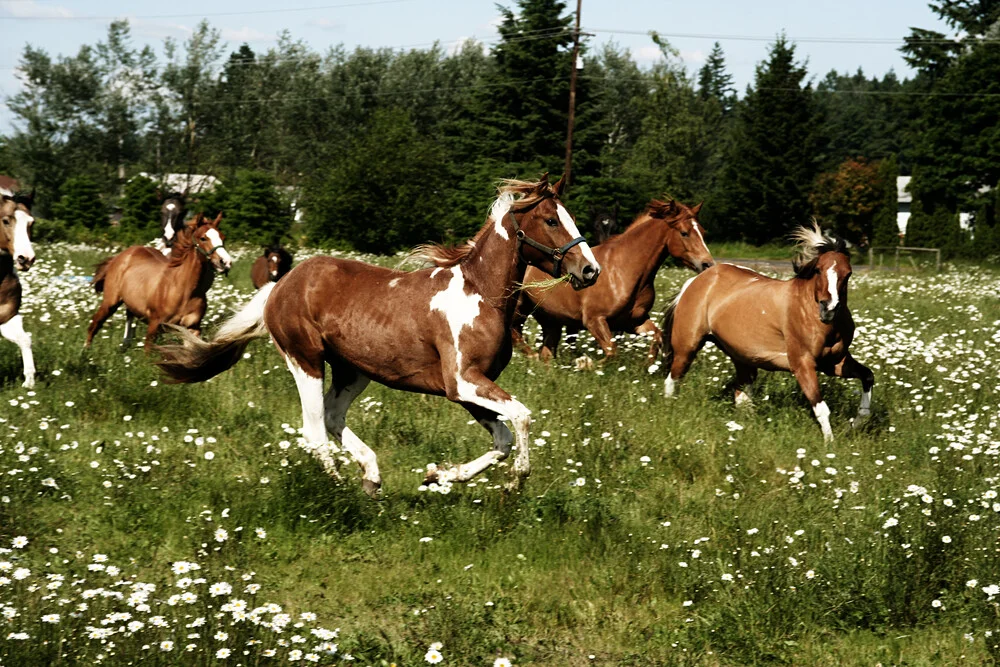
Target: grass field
x: 183, y: 525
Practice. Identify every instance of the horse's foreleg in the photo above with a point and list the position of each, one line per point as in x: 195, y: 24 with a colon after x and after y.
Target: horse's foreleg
x: 805, y: 372
x: 104, y: 311
x: 151, y: 332
x: 850, y: 367
x: 551, y: 335
x: 347, y: 385
x: 649, y: 328
x: 129, y: 330
x: 517, y: 327
x: 745, y: 376
x: 683, y: 356
x: 473, y: 389
x: 13, y: 330
x: 599, y: 329
x: 503, y: 439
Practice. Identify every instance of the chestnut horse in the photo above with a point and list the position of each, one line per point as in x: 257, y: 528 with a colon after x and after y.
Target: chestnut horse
x: 269, y: 267
x: 15, y: 252
x: 162, y: 290
x: 443, y: 331
x: 800, y: 325
x: 622, y: 300
x: 172, y: 214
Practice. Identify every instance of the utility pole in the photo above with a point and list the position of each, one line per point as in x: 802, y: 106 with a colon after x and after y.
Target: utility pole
x: 572, y: 97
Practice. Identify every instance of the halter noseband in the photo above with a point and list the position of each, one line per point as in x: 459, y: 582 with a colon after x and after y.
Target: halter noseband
x: 556, y: 254
x: 210, y: 251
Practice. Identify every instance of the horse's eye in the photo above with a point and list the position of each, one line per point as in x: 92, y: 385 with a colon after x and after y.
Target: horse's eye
x: 6, y: 222
x: 552, y: 222
x: 204, y: 238
x: 685, y: 234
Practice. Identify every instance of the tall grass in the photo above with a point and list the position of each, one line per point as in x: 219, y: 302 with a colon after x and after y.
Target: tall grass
x: 651, y: 531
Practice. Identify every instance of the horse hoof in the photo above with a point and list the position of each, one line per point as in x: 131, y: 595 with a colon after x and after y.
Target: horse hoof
x: 29, y: 383
x: 373, y: 489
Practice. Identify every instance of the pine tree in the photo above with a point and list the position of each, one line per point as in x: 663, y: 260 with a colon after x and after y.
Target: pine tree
x: 772, y: 156
x: 714, y: 82
x: 140, y: 209
x: 81, y: 204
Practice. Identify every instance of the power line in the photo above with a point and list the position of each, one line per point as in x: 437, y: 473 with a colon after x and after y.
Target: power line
x: 760, y: 38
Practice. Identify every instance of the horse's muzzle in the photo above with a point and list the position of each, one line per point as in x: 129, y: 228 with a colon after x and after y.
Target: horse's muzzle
x: 826, y: 314
x: 587, y: 277
x: 24, y: 263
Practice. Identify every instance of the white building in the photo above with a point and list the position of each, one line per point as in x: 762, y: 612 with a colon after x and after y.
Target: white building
x: 189, y: 184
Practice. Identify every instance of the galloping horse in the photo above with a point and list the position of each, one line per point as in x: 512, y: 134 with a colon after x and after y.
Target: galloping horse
x: 624, y: 297
x: 271, y: 266
x: 15, y: 252
x: 800, y: 325
x: 162, y: 290
x: 443, y: 331
x: 172, y: 214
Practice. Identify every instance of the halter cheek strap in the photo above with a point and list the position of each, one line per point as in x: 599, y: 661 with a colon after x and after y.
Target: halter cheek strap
x: 210, y: 251
x: 556, y: 254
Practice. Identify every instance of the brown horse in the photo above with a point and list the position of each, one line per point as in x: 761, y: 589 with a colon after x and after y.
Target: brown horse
x: 443, y: 331
x: 271, y: 266
x: 15, y: 252
x: 162, y: 290
x: 800, y: 325
x: 622, y: 300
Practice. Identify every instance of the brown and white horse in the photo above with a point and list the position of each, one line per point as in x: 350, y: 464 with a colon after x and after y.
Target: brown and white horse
x: 162, y: 290
x: 443, y: 331
x: 622, y: 300
x: 15, y: 253
x: 800, y: 325
x: 271, y: 266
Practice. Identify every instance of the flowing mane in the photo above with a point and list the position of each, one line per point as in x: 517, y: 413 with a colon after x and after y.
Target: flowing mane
x: 183, y: 246
x: 512, y: 194
x: 811, y: 242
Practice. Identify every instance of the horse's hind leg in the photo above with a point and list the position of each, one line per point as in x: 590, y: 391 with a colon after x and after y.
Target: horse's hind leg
x: 745, y: 376
x: 104, y: 311
x: 346, y: 386
x: 850, y: 367
x: 129, y: 330
x: 308, y: 374
x: 13, y: 330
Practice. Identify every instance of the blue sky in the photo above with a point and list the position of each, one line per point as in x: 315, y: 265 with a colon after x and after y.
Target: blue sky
x: 743, y: 28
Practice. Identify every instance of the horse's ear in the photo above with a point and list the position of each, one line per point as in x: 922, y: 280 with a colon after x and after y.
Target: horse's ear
x: 30, y: 199
x: 218, y: 219
x: 663, y: 209
x: 559, y: 186
x: 696, y: 209
x: 196, y: 221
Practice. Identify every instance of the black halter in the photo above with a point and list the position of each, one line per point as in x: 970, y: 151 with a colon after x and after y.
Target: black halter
x: 556, y: 254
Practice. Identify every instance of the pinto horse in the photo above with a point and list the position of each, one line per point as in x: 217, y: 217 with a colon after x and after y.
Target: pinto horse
x: 162, y: 290
x: 271, y: 266
x: 15, y: 252
x: 624, y: 297
x: 800, y: 325
x: 443, y: 331
x: 172, y: 214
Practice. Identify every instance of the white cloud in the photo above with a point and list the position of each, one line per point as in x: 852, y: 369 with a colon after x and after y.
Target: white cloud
x: 692, y: 57
x: 326, y: 24
x: 159, y: 29
x: 647, y: 54
x: 245, y: 34
x: 33, y: 9
x: 457, y: 46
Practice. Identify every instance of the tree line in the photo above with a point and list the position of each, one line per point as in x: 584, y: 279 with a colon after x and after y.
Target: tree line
x: 385, y: 148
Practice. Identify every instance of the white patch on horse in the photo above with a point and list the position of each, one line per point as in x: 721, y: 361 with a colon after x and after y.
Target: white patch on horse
x: 742, y: 398
x: 22, y: 242
x: 213, y: 236
x: 171, y: 206
x: 436, y: 271
x: 683, y: 287
x: 697, y: 228
x: 313, y: 426
x: 831, y: 285
x: 668, y: 386
x: 822, y: 413
x: 570, y: 227
x: 866, y: 403
x: 499, y: 211
x: 4, y: 192
x: 13, y: 330
x: 168, y: 231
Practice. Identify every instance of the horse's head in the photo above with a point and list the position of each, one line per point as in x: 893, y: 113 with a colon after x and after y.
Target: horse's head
x: 279, y: 260
x: 172, y: 215
x: 548, y: 236
x: 208, y: 241
x: 824, y: 259
x: 685, y: 239
x: 605, y: 222
x: 15, y: 228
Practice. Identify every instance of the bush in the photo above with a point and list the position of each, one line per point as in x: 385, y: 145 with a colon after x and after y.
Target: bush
x: 81, y: 204
x: 140, y: 210
x: 253, y: 211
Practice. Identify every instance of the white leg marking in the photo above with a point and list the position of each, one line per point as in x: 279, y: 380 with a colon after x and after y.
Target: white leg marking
x: 743, y: 398
x: 336, y: 405
x: 570, y: 227
x: 129, y: 329
x: 822, y: 413
x: 668, y: 386
x: 313, y: 429
x: 503, y: 439
x: 831, y: 285
x: 866, y: 403
x: 22, y: 242
x: 13, y: 330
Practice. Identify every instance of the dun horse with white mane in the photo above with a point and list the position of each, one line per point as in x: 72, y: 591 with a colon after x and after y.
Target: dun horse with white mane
x: 800, y: 325
x: 443, y: 331
x: 15, y: 252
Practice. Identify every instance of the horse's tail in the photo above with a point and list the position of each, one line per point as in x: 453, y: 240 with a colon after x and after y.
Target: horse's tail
x: 197, y: 360
x: 100, y: 273
x: 667, y: 350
